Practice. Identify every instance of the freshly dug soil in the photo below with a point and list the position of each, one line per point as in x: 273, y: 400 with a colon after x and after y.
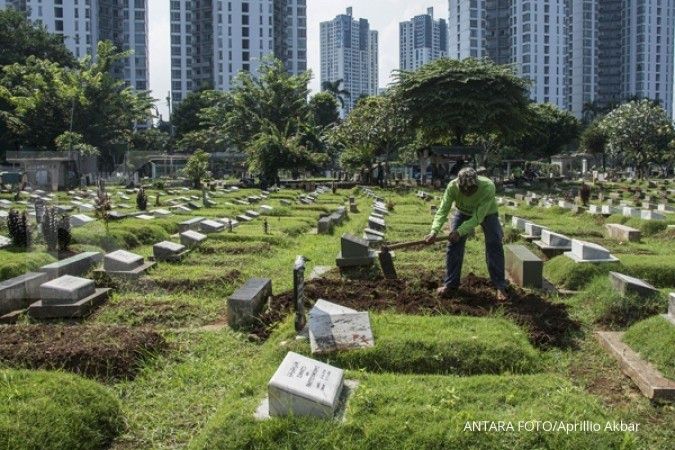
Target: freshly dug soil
x: 548, y: 324
x: 99, y: 352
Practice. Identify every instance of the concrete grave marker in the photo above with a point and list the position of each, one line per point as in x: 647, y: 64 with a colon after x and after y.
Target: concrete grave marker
x: 168, y: 251
x: 79, y: 220
x: 588, y: 252
x: 377, y: 224
x: 354, y: 252
x: 518, y: 223
x: 333, y: 327
x: 622, y: 232
x: 211, y: 226
x: 76, y: 265
x: 524, y: 267
x: 325, y: 225
x: 302, y: 386
x: 67, y: 297
x: 625, y: 285
x: 246, y: 303
x: 191, y: 239
x: 121, y: 261
x: 647, y: 214
x: 190, y: 224
x: 299, y: 293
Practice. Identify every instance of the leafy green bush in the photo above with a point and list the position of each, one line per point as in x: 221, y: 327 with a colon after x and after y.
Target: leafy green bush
x: 654, y: 339
x: 53, y: 410
x: 19, y: 229
x: 142, y: 200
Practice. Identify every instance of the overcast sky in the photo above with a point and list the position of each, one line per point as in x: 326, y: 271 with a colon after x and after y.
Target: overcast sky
x: 383, y: 15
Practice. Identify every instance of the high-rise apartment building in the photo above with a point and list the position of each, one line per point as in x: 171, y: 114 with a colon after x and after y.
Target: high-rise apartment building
x: 213, y: 40
x: 574, y: 52
x: 349, y: 52
x: 421, y: 40
x: 83, y: 23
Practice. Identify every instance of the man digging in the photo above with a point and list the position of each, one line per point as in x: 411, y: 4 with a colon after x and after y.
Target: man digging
x: 474, y: 198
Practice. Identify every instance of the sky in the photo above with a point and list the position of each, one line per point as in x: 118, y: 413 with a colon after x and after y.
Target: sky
x: 383, y: 15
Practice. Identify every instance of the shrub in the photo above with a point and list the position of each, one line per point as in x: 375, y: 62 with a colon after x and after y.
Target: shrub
x: 65, y: 237
x: 50, y: 230
x: 158, y: 201
x: 19, y: 229
x: 142, y: 200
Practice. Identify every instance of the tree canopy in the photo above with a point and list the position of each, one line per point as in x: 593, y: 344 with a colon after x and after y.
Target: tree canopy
x: 20, y: 39
x: 550, y: 130
x: 638, y: 133
x: 448, y: 99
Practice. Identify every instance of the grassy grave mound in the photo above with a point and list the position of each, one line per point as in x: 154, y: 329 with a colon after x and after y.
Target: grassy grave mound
x: 153, y: 310
x: 437, y: 344
x: 565, y: 273
x: 394, y: 411
x: 654, y: 339
x: 548, y: 324
x: 93, y: 351
x: 601, y: 304
x: 16, y: 262
x: 49, y: 410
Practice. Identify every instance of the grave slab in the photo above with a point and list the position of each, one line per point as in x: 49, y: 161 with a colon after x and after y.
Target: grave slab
x: 246, y: 303
x: 648, y: 379
x: 191, y: 239
x: 121, y: 261
x: 518, y: 223
x: 75, y: 265
x: 190, y: 224
x: 623, y: 233
x: 78, y: 309
x: 377, y: 224
x: 66, y: 290
x: 302, y: 386
x: 626, y: 285
x: 79, y: 220
x: 524, y: 267
x: 334, y: 328
x: 211, y: 226
x: 325, y: 225
x: 17, y: 293
x: 647, y: 214
x: 587, y: 252
x: 168, y: 251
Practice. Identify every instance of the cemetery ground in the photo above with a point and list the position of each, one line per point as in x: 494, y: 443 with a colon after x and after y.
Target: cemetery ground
x: 157, y: 366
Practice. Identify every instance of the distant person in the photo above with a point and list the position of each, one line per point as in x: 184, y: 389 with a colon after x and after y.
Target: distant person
x: 474, y: 198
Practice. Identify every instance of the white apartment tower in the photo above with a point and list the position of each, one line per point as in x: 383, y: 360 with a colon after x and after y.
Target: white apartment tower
x: 82, y: 23
x: 349, y: 52
x: 421, y: 40
x: 213, y: 40
x: 574, y: 52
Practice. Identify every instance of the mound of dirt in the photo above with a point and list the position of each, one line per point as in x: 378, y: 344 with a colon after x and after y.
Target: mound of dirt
x: 548, y: 324
x: 93, y: 351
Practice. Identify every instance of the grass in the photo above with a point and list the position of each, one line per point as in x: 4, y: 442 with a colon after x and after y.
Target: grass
x: 565, y: 273
x: 654, y: 339
x: 393, y: 411
x: 52, y: 410
x: 14, y: 262
x: 437, y: 345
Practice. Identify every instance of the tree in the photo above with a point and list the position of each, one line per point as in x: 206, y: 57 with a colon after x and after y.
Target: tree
x: 70, y: 141
x: 150, y: 140
x: 448, y: 99
x: 550, y: 130
x: 267, y: 117
x: 334, y: 89
x: 44, y: 100
x: 375, y: 127
x: 186, y: 116
x: 594, y: 140
x: 20, y: 39
x: 638, y: 133
x: 197, y: 168
x: 324, y: 109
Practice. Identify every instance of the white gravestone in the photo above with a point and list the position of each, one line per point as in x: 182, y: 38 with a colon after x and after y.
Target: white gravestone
x: 302, y: 386
x: 552, y: 239
x: 334, y: 327
x: 588, y: 252
x: 66, y: 289
x: 532, y: 229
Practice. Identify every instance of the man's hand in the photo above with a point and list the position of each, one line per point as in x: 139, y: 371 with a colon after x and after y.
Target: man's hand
x: 430, y: 239
x: 454, y: 237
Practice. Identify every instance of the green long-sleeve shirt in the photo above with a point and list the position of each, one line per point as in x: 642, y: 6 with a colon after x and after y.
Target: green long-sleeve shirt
x: 478, y: 205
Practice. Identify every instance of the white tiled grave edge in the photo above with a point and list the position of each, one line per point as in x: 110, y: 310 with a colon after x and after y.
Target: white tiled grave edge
x: 588, y: 252
x: 333, y: 327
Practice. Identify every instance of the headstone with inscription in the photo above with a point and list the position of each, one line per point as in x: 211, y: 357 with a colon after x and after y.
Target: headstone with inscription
x: 302, y: 386
x: 299, y: 293
x: 334, y: 327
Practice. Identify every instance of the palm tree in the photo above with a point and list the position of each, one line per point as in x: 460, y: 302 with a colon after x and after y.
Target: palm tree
x: 333, y: 88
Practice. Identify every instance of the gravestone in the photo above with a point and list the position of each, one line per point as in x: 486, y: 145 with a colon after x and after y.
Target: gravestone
x: 79, y: 220
x: 67, y: 297
x: 302, y: 386
x: 608, y: 210
x: 211, y: 226
x: 627, y: 285
x: 354, y: 252
x: 246, y: 303
x: 373, y: 236
x: 168, y: 251
x: 518, y: 223
x: 145, y: 217
x: 334, y: 327
x: 285, y: 202
x: 647, y: 214
x: 553, y: 244
x: 524, y: 267
x: 622, y: 232
x: 299, y: 293
x: 191, y: 238
x: 252, y: 213
x: 17, y: 293
x: 353, y: 208
x: 244, y: 218
x: 583, y: 252
x: 377, y: 224
x: 76, y: 265
x: 629, y: 211
x: 266, y: 208
x: 325, y: 225
x: 190, y: 224
x: 160, y: 212
x: 122, y: 263
x: 532, y: 230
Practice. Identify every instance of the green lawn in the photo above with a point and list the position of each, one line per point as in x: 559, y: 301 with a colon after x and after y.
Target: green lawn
x: 654, y: 339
